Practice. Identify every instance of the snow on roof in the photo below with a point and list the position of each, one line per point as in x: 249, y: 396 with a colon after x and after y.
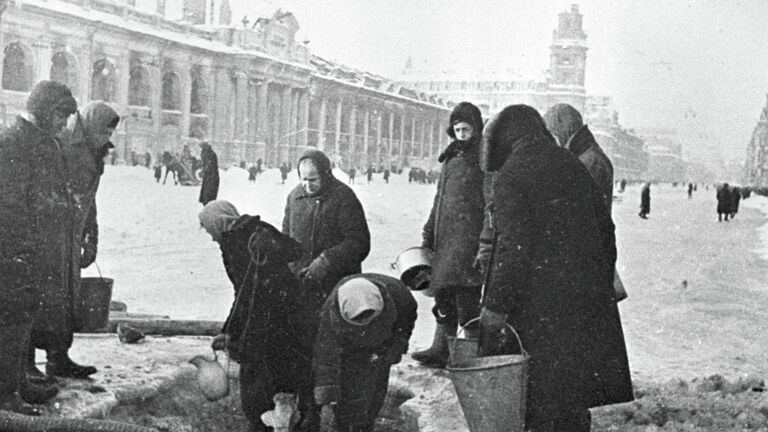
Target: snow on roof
x: 136, y: 26
x: 515, y: 75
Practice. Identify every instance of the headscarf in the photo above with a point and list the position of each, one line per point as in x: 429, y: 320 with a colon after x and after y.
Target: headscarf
x: 48, y: 96
x: 360, y: 301
x: 563, y: 121
x: 217, y: 217
x: 467, y: 113
x: 505, y: 130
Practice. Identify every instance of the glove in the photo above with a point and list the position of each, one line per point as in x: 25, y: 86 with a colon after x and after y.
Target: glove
x: 88, y: 255
x: 327, y: 419
x: 220, y: 342
x: 317, y: 270
x: 494, y: 337
x: 395, y: 352
x: 483, y: 259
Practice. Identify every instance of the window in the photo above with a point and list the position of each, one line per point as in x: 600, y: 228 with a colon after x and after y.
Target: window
x: 171, y: 97
x: 17, y: 68
x: 138, y: 87
x: 103, y: 81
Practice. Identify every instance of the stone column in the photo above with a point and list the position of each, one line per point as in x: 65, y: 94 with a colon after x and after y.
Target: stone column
x: 156, y: 78
x: 378, y: 135
x: 402, y: 134
x: 391, y: 135
x: 431, y: 138
x: 86, y: 68
x: 186, y: 100
x: 44, y: 59
x: 124, y: 75
x: 285, y: 125
x: 262, y: 111
x: 352, y: 141
x: 366, y: 131
x: 294, y: 130
x: 304, y: 119
x: 423, y: 139
x: 338, y: 130
x: 241, y: 109
x: 321, y: 124
x: 413, y: 135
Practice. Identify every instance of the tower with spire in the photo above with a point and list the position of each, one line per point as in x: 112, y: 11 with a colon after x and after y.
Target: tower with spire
x: 568, y: 59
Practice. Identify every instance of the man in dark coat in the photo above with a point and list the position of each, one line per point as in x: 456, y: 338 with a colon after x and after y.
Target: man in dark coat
x: 35, y: 211
x: 645, y: 200
x: 257, y: 331
x: 735, y: 199
x: 551, y: 276
x: 723, y: 202
x: 326, y: 218
x: 453, y: 232
x: 210, y: 188
x: 85, y: 144
x: 364, y: 329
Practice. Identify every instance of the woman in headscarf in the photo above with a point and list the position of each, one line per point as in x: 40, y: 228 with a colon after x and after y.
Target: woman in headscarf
x: 453, y: 232
x: 551, y: 276
x: 257, y: 332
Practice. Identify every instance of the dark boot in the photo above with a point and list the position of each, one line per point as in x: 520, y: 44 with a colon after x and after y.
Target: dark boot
x: 17, y: 405
x: 437, y: 355
x: 35, y: 375
x: 38, y: 394
x: 59, y: 364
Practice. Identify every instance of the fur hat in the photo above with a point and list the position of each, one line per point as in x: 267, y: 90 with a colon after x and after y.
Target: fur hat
x: 468, y: 113
x: 505, y: 129
x: 48, y: 96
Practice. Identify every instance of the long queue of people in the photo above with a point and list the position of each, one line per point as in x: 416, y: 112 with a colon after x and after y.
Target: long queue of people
x: 520, y: 227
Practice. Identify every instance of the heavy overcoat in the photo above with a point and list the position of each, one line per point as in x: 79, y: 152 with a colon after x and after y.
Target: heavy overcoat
x: 37, y: 210
x: 210, y: 188
x: 331, y: 223
x: 552, y: 272
x: 455, y: 221
x: 735, y: 199
x: 645, y: 199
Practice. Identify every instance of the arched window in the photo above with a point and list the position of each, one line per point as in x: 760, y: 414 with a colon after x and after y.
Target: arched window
x: 138, y: 87
x: 171, y: 97
x: 103, y: 81
x: 17, y: 68
x: 64, y: 70
x: 198, y: 103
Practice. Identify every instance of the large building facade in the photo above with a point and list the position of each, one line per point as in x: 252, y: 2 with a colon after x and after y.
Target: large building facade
x: 494, y: 90
x: 756, y: 164
x: 252, y: 90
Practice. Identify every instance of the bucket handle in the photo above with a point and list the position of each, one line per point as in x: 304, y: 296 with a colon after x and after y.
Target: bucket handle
x: 463, y: 329
x: 98, y: 270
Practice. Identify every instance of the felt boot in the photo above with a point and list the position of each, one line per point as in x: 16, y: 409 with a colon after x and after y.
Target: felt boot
x: 59, y: 364
x: 437, y: 355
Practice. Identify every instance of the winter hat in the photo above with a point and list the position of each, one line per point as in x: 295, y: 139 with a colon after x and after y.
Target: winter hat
x: 360, y: 301
x: 563, y: 121
x: 48, y: 96
x: 217, y: 217
x: 468, y: 113
x: 505, y: 129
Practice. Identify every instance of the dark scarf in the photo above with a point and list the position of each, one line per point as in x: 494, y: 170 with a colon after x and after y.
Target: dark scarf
x: 455, y: 148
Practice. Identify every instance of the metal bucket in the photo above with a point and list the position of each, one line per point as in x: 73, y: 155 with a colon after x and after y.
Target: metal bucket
x: 492, y: 390
x: 414, y: 268
x: 461, y: 349
x: 95, y: 296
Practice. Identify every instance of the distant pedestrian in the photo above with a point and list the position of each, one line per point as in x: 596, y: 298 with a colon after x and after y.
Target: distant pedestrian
x: 723, y: 202
x: 386, y: 175
x: 210, y: 187
x: 690, y: 190
x: 622, y: 185
x: 352, y: 172
x: 369, y: 174
x: 158, y: 170
x: 735, y: 198
x: 284, y: 170
x: 252, y: 172
x: 645, y: 200
x: 147, y: 160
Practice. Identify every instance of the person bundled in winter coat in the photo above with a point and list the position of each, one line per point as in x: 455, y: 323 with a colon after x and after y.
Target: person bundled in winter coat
x: 735, y: 199
x: 645, y: 200
x: 453, y: 232
x: 551, y: 276
x: 326, y: 218
x: 257, y: 332
x: 36, y: 209
x: 365, y: 326
x: 210, y: 188
x: 85, y: 143
x: 723, y: 202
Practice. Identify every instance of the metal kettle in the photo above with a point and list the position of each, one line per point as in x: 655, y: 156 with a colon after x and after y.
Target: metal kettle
x: 211, y: 377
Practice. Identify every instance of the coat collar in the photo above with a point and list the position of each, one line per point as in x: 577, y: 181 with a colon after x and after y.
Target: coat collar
x: 581, y: 141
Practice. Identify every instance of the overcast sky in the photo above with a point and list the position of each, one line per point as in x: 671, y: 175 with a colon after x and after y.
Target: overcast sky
x: 699, y: 66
